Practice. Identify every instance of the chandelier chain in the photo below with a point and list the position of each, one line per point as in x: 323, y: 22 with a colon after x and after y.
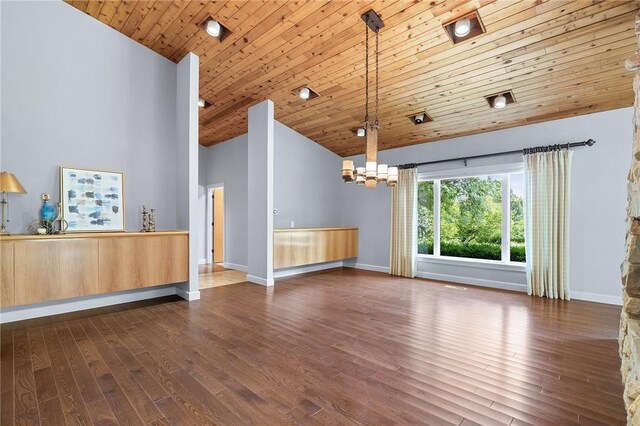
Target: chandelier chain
x: 366, y: 83
x: 377, y: 53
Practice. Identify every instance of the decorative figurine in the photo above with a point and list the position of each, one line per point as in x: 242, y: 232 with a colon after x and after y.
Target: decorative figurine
x: 51, y: 221
x: 48, y: 212
x: 145, y: 219
x: 152, y: 221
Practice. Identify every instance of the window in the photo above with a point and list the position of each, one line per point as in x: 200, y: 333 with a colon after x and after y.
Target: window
x: 473, y: 217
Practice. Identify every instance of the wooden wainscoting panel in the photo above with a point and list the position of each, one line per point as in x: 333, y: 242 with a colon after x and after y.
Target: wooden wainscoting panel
x: 78, y: 268
x: 7, y: 284
x: 37, y: 271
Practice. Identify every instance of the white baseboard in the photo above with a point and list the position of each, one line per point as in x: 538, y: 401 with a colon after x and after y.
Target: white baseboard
x: 267, y: 282
x: 375, y: 268
x: 188, y: 295
x: 38, y: 310
x: 281, y: 273
x: 235, y: 266
x: 473, y: 281
x: 202, y: 261
x: 594, y: 297
x: 577, y: 295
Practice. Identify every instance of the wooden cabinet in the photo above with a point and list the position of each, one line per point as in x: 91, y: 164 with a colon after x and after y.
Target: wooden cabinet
x: 55, y: 269
x: 39, y: 269
x: 143, y: 262
x: 7, y: 295
x: 305, y: 246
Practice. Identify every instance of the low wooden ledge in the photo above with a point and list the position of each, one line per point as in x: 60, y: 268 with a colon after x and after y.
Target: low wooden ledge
x: 330, y: 228
x: 19, y: 237
x: 306, y: 246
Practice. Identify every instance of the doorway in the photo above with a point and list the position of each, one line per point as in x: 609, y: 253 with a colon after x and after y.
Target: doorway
x: 214, y: 273
x: 217, y: 225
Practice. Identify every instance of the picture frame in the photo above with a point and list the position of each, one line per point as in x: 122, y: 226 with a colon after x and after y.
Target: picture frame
x: 92, y: 200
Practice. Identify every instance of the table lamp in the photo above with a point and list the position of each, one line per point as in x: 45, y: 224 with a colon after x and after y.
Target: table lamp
x: 8, y: 183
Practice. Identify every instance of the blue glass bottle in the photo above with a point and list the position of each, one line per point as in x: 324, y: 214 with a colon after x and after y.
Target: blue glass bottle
x: 48, y: 212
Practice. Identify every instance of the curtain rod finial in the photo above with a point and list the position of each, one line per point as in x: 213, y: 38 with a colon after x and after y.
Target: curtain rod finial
x: 591, y: 142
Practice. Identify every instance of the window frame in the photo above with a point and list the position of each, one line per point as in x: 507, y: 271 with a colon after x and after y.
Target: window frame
x: 436, y: 176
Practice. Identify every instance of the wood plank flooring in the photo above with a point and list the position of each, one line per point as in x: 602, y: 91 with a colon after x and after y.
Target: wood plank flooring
x: 216, y: 276
x: 341, y: 347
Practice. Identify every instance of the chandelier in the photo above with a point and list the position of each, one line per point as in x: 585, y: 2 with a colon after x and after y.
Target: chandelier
x: 372, y: 173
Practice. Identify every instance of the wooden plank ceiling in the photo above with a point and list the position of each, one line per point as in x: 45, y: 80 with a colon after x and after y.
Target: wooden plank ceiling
x: 560, y: 59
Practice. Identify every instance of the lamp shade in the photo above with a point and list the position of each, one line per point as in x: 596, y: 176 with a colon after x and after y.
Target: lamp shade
x: 392, y: 177
x: 9, y: 183
x: 383, y: 170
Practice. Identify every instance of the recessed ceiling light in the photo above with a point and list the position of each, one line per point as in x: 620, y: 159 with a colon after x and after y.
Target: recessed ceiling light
x: 501, y: 99
x: 203, y: 103
x: 462, y: 27
x: 305, y: 93
x: 420, y: 118
x: 361, y: 132
x: 213, y: 28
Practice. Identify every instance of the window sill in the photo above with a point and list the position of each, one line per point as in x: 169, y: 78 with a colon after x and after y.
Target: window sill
x: 472, y: 263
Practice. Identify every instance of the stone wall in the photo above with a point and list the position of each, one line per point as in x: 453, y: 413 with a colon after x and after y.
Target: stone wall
x: 630, y: 319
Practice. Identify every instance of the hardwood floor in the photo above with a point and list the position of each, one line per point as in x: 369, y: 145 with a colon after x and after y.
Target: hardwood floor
x: 219, y: 277
x: 342, y: 347
x: 211, y: 267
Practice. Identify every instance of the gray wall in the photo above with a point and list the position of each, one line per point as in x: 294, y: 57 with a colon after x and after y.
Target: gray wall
x: 598, y: 198
x: 307, y: 182
x: 227, y: 163
x: 78, y: 93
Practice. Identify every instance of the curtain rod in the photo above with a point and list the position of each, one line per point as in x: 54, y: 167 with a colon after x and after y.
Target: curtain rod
x: 557, y: 147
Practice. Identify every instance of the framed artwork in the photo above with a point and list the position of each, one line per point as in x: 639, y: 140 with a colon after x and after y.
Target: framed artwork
x: 92, y: 200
